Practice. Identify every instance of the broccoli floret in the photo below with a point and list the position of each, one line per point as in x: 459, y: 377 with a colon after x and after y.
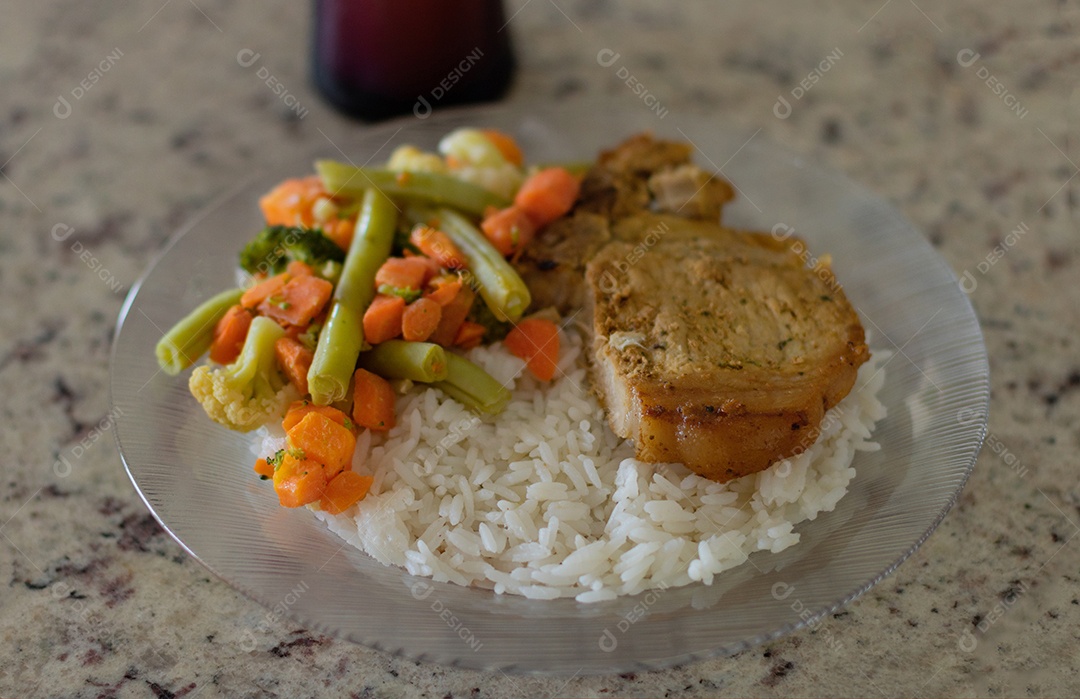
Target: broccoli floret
x: 408, y: 293
x: 251, y: 391
x: 494, y: 329
x: 277, y: 246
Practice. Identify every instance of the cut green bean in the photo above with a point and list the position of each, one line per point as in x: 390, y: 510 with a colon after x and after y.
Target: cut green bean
x: 342, y: 337
x: 431, y: 187
x: 502, y: 289
x: 473, y: 387
x: 574, y: 167
x: 192, y: 336
x: 400, y: 359
x: 339, y: 345
x: 370, y: 247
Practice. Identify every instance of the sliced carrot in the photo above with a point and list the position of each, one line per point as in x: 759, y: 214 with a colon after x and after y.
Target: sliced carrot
x: 229, y: 335
x: 295, y: 361
x: 264, y: 468
x: 324, y: 441
x: 548, y: 194
x: 264, y: 289
x: 404, y: 273
x: 453, y: 315
x: 509, y: 230
x: 300, y: 300
x: 300, y: 408
x: 298, y: 269
x: 506, y: 145
x: 438, y: 246
x: 340, y: 230
x: 433, y: 267
x: 291, y: 202
x: 469, y: 335
x: 537, y: 342
x: 345, y: 490
x: 299, y: 482
x: 373, y: 401
x: 443, y: 290
x: 382, y: 319
x: 420, y: 319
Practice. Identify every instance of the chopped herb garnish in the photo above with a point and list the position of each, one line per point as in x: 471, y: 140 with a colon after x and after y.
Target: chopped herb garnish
x: 408, y: 293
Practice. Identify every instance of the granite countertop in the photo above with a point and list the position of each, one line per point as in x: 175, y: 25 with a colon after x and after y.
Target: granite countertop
x: 120, y: 121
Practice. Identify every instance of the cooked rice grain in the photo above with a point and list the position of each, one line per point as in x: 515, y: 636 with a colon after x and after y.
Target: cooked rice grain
x: 545, y: 501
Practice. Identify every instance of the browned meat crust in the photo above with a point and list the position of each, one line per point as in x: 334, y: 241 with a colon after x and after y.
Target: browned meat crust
x: 717, y: 348
x: 712, y: 347
x: 641, y: 174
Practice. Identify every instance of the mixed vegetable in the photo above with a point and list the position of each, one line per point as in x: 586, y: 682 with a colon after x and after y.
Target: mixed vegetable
x: 363, y: 282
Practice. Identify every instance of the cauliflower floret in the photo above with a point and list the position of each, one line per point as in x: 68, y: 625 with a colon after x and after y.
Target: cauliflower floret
x: 481, y: 162
x: 412, y: 159
x: 471, y: 147
x: 249, y: 392
x: 504, y: 180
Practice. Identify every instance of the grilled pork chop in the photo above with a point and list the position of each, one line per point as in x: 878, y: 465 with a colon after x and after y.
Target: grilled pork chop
x: 712, y: 347
x: 717, y: 348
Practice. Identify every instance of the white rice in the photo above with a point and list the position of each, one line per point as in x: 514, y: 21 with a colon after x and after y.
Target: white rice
x: 545, y: 501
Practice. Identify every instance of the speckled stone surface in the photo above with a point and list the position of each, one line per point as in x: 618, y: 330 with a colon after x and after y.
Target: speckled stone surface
x: 157, y: 117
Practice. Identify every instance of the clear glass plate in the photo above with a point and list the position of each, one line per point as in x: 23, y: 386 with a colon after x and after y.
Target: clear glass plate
x: 196, y: 477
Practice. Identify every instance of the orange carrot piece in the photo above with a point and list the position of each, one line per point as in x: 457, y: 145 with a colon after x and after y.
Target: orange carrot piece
x: 404, y: 273
x: 506, y: 145
x: 345, y: 490
x: 453, y: 315
x: 548, y: 194
x: 264, y: 289
x: 340, y: 230
x: 324, y: 441
x: 300, y: 300
x: 443, y: 290
x: 264, y: 468
x: 382, y: 319
x: 291, y: 202
x: 300, y: 408
x: 433, y: 268
x: 537, y: 342
x: 509, y: 230
x: 299, y: 269
x: 299, y: 482
x: 420, y: 319
x: 438, y: 246
x: 469, y: 335
x: 373, y: 401
x: 229, y: 335
x: 295, y: 360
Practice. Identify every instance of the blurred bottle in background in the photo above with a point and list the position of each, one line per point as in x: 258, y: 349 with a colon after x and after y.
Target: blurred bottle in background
x: 375, y: 59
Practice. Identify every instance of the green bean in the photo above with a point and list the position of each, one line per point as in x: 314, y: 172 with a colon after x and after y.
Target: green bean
x: 499, y: 284
x: 340, y: 342
x: 432, y: 187
x: 371, y: 244
x: 342, y: 337
x: 574, y: 167
x: 472, y: 386
x: 400, y: 359
x: 192, y: 336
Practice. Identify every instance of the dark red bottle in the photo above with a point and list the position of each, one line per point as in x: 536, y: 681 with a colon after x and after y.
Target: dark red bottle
x: 375, y: 59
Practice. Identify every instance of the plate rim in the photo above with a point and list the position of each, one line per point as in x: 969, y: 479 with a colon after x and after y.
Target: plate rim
x: 979, y: 428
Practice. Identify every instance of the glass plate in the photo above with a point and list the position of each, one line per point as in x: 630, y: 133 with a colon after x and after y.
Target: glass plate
x: 196, y: 477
